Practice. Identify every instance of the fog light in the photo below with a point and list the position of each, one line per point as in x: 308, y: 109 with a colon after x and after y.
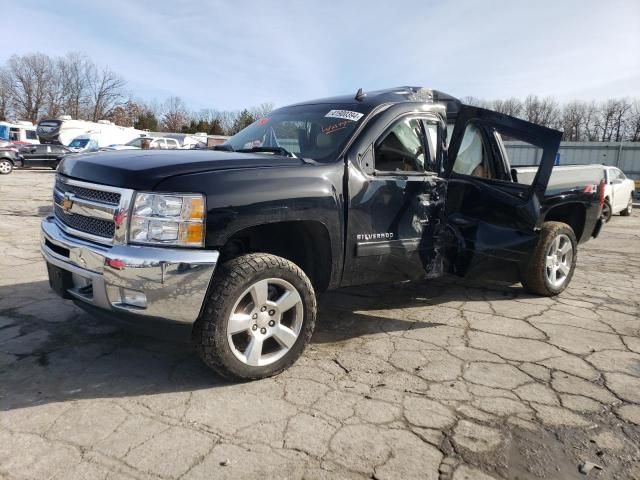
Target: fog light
x: 133, y: 298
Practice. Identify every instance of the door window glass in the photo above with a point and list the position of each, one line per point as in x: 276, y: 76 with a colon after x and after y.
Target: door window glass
x: 402, y: 149
x: 31, y: 135
x: 432, y: 143
x: 472, y: 158
x: 614, y: 174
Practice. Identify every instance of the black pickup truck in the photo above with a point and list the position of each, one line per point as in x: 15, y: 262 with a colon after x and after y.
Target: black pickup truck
x: 236, y: 242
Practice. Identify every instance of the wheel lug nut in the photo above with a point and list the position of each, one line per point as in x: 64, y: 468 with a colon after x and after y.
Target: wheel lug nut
x: 254, y: 316
x: 272, y: 313
x: 255, y: 327
x: 263, y: 330
x: 263, y: 309
x: 272, y: 323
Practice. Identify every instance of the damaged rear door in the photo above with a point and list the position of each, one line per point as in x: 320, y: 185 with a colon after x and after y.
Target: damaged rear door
x: 491, y: 217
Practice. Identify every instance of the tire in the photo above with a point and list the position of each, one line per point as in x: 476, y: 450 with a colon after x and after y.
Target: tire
x: 5, y: 166
x: 606, y: 210
x: 239, y: 288
x: 538, y: 272
x: 627, y: 211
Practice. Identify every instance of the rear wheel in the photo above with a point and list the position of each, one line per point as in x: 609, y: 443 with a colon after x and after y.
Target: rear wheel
x: 627, y: 211
x: 5, y: 167
x: 551, y: 267
x: 606, y: 210
x: 258, y: 317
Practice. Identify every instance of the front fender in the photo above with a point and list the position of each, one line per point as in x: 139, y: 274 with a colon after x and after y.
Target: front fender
x: 241, y: 198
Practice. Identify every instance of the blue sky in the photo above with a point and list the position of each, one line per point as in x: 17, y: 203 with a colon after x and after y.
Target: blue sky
x: 231, y: 54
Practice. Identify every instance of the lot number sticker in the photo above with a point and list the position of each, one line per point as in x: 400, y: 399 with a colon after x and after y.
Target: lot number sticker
x: 345, y: 114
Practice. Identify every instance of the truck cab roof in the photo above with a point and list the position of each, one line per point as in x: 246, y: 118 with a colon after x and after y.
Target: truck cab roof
x: 403, y: 94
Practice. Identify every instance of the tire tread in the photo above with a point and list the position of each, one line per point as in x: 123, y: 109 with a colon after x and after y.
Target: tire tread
x: 532, y: 275
x: 231, y: 275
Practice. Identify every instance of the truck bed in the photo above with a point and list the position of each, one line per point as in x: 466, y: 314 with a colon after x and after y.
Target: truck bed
x: 564, y: 178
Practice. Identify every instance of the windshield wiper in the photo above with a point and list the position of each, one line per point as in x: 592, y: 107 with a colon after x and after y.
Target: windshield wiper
x: 279, y: 150
x: 223, y: 147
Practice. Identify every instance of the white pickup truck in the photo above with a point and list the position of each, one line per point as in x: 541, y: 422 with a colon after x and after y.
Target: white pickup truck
x: 618, y: 193
x: 618, y: 189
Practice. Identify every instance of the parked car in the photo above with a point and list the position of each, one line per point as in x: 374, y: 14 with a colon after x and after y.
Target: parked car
x: 618, y: 193
x: 9, y: 159
x: 235, y: 243
x: 147, y: 143
x: 43, y: 155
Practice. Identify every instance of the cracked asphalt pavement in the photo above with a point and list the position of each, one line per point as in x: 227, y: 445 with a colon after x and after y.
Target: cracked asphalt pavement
x: 433, y: 380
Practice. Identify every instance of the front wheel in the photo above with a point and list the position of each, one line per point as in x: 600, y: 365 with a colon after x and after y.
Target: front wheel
x: 258, y: 317
x: 549, y: 270
x: 627, y: 211
x: 606, y: 210
x: 5, y: 167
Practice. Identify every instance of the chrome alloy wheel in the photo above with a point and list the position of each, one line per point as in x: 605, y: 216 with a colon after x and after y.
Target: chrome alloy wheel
x: 265, y: 322
x: 5, y: 167
x: 559, y: 260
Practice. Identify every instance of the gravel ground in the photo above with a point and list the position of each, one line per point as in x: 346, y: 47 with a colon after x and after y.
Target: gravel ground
x: 435, y: 380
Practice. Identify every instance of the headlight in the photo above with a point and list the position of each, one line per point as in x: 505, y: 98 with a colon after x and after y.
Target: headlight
x: 168, y: 219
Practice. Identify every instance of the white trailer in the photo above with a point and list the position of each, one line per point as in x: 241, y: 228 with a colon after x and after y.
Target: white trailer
x: 65, y: 130
x: 18, y: 132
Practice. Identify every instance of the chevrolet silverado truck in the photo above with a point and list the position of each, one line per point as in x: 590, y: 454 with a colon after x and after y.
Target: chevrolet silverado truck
x: 235, y: 242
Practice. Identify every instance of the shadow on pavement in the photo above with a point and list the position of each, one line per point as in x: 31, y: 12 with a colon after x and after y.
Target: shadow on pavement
x: 51, y: 351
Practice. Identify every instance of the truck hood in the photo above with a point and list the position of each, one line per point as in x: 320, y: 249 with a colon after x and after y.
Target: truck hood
x: 144, y: 169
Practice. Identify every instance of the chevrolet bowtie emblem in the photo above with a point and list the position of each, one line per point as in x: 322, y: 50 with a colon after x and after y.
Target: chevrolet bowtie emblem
x: 66, y: 203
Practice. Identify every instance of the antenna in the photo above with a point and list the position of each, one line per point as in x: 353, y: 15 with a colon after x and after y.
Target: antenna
x: 360, y: 95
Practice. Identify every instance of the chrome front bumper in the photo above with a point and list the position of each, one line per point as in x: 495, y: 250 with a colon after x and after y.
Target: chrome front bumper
x: 173, y: 281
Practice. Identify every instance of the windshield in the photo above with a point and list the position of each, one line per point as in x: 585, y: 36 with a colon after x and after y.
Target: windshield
x: 318, y: 131
x: 79, y: 143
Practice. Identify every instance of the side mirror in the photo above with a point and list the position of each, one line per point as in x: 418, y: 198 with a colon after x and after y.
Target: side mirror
x: 514, y: 175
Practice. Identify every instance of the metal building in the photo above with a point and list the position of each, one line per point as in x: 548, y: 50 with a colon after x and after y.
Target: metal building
x: 624, y: 155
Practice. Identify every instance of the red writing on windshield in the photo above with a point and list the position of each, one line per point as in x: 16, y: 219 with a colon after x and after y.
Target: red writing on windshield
x: 334, y: 127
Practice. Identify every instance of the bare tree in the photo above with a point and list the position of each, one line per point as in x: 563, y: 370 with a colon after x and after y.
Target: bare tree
x: 127, y: 114
x: 510, y: 106
x: 543, y: 111
x: 620, y: 119
x: 30, y: 79
x: 572, y: 121
x: 5, y: 96
x: 475, y: 102
x: 107, y: 91
x: 175, y: 115
x: 262, y: 110
x: 634, y: 122
x: 74, y: 71
x: 611, y: 120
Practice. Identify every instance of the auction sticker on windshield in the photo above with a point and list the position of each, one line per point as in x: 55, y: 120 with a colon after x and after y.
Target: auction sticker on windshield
x: 345, y: 114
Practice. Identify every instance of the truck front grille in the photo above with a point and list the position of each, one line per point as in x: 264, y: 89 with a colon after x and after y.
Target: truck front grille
x: 89, y: 210
x: 89, y: 225
x: 111, y: 198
